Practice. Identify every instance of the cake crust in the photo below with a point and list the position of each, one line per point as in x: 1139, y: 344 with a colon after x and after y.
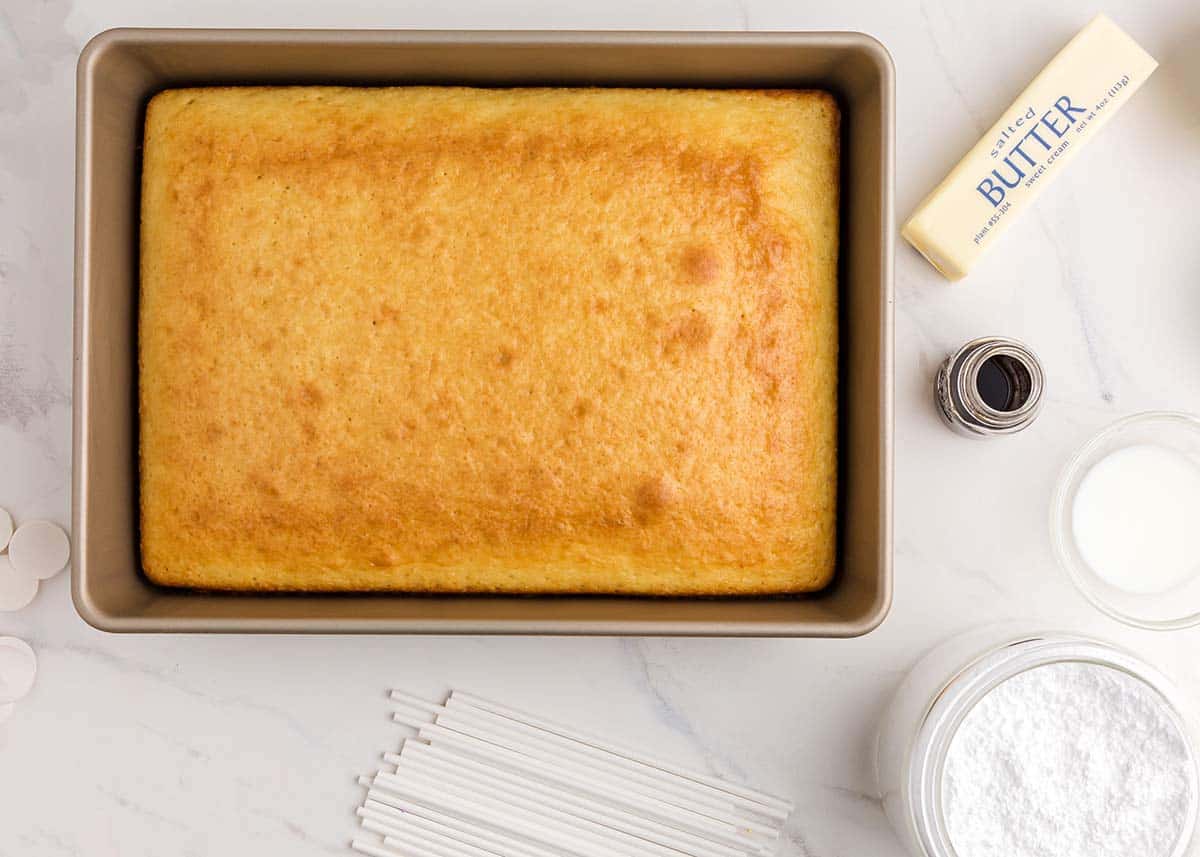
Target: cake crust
x: 440, y: 339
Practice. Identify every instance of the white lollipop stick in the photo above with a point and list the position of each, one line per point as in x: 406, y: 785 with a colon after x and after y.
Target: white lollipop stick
x: 40, y: 549
x: 18, y: 668
x: 6, y: 709
x: 589, y: 780
x: 371, y: 849
x: 456, y: 828
x: 5, y: 528
x: 503, y: 729
x: 777, y: 806
x: 424, y: 758
x: 494, y: 782
x: 16, y: 587
x: 549, y: 755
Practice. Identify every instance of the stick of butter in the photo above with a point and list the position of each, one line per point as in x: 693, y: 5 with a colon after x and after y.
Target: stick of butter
x: 1055, y: 117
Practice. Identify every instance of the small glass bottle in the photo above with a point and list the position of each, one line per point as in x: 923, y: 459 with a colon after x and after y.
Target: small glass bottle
x: 990, y: 386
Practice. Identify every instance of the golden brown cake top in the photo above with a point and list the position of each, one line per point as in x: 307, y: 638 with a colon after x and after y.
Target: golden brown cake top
x: 448, y: 339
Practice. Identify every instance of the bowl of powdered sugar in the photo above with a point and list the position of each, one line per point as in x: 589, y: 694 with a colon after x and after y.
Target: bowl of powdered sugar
x: 1045, y: 745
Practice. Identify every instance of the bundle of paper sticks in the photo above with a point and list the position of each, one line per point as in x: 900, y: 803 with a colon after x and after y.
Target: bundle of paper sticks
x: 481, y: 779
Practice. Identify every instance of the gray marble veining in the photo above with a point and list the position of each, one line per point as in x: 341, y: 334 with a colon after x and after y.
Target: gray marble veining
x: 216, y: 745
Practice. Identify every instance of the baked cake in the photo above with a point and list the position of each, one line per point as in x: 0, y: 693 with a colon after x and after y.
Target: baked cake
x: 440, y: 339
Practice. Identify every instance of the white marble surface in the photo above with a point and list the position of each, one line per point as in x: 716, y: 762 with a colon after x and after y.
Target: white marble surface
x: 221, y: 745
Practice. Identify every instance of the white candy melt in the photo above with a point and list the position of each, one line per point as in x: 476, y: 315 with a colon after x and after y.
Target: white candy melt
x: 1135, y: 517
x: 6, y: 528
x: 40, y: 549
x: 18, y: 668
x: 16, y: 587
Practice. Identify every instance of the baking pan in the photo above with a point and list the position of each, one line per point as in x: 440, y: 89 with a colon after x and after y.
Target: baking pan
x: 120, y: 70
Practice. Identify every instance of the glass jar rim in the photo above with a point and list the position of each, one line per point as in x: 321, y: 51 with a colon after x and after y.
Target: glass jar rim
x: 966, y: 688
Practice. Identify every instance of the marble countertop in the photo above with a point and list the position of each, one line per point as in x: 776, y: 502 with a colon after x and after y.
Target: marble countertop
x: 218, y: 745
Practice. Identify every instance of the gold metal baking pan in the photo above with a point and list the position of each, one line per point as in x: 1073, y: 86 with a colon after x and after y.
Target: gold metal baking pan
x: 120, y: 70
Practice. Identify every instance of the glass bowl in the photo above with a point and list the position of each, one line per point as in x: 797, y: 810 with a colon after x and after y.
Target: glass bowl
x: 920, y: 724
x: 1177, y: 607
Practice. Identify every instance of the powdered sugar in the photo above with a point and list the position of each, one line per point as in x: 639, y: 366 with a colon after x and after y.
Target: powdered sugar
x: 1068, y: 760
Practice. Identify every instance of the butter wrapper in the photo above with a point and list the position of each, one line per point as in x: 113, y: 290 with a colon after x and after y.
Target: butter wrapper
x: 1050, y: 122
